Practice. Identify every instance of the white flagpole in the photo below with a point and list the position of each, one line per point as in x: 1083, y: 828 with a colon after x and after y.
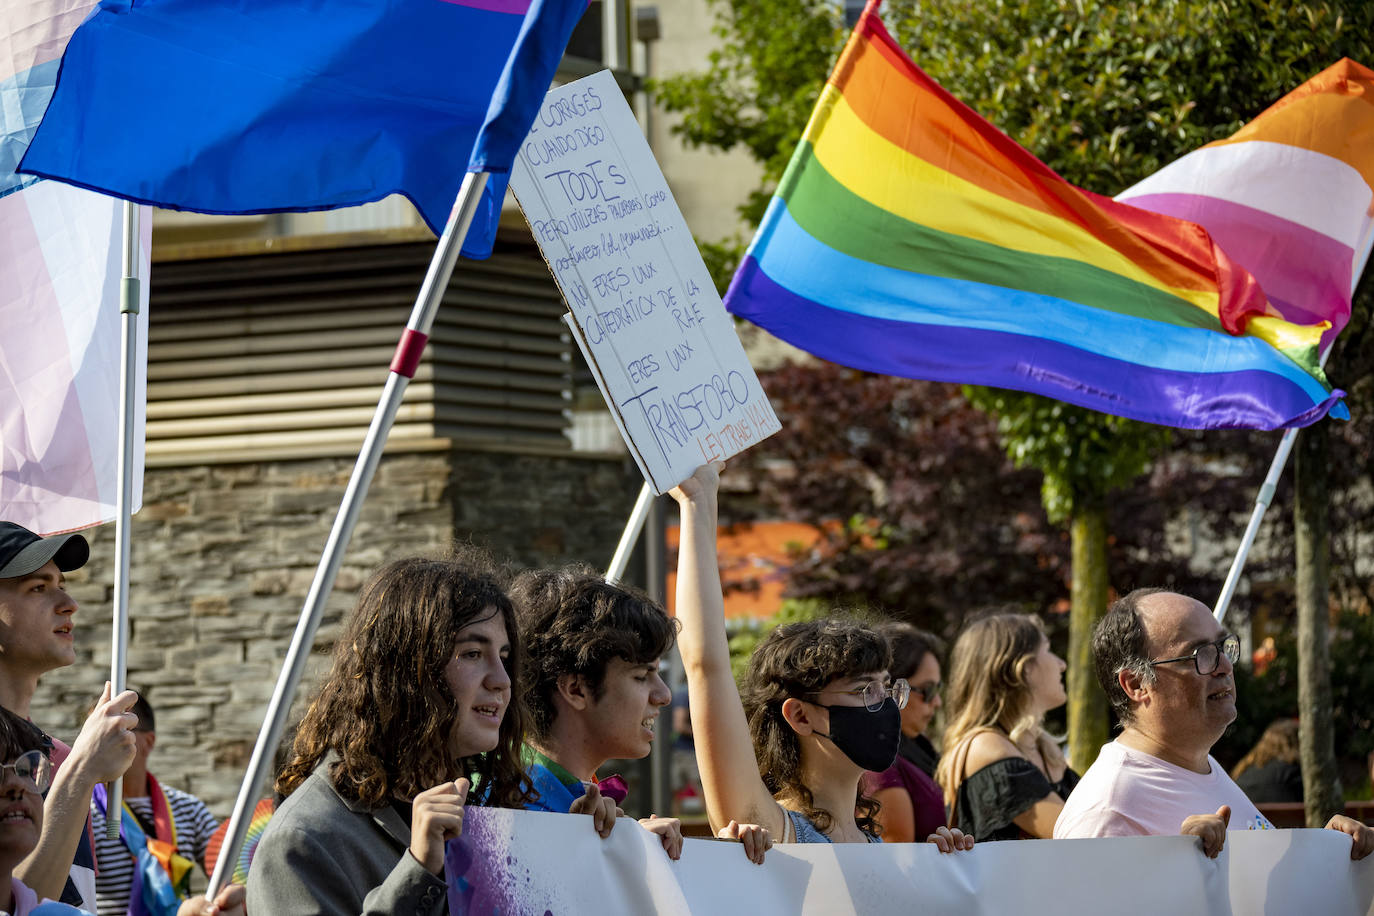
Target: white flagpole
x: 403, y: 366
x: 124, y: 493
x: 1271, y: 480
x: 1266, y: 495
x: 630, y: 536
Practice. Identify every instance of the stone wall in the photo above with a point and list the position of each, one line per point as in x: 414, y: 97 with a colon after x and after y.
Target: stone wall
x: 223, y: 557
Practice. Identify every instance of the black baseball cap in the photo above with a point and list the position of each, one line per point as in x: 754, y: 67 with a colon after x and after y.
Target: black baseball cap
x: 23, y: 552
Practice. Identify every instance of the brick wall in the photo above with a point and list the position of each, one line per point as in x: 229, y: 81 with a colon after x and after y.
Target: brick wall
x: 224, y: 555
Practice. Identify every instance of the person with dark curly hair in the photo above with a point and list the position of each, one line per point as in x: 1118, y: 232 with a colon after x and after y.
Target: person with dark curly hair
x: 593, y: 689
x: 817, y: 709
x: 415, y: 720
x: 592, y: 686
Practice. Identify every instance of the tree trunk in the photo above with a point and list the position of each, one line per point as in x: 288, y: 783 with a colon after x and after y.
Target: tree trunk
x: 1087, y: 704
x: 1321, y: 786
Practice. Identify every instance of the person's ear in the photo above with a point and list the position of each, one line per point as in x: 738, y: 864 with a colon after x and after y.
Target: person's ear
x: 152, y: 740
x: 801, y: 716
x: 572, y: 688
x: 1132, y: 686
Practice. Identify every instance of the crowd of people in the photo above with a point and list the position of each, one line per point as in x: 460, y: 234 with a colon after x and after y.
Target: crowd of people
x: 453, y: 685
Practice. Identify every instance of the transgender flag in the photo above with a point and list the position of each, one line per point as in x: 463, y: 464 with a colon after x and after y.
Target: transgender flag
x: 1288, y: 196
x: 59, y: 304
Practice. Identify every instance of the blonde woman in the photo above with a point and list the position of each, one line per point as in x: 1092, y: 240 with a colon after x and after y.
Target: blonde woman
x: 1004, y: 777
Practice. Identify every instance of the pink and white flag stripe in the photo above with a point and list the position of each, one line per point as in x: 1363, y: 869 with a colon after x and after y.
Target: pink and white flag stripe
x: 1289, y: 195
x: 60, y: 264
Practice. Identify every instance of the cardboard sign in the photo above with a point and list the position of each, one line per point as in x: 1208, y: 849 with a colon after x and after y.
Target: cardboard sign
x: 641, y: 303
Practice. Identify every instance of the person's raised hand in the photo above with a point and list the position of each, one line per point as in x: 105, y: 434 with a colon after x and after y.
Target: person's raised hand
x: 701, y: 487
x: 1361, y: 836
x: 755, y: 838
x: 105, y: 747
x: 1210, y: 829
x: 437, y: 817
x: 950, y: 839
x: 669, y: 830
x: 602, y: 808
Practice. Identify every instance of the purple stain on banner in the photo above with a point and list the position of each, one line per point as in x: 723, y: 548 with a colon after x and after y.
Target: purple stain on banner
x: 481, y: 870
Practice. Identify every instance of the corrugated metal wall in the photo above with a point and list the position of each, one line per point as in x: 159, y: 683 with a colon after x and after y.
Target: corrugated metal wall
x: 283, y: 355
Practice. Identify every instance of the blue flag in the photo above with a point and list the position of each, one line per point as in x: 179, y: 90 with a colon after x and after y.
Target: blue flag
x: 261, y: 106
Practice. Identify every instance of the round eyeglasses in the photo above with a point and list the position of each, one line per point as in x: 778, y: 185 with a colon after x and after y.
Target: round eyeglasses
x: 1207, y: 657
x: 32, y: 767
x: 874, y: 694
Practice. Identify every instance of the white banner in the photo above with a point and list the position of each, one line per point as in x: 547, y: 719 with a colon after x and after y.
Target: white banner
x: 641, y: 303
x: 520, y: 862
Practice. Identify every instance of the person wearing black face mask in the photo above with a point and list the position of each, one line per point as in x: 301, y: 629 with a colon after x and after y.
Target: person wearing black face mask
x: 816, y: 711
x: 868, y: 735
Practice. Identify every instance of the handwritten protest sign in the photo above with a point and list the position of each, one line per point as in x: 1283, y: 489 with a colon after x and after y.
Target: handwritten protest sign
x: 641, y: 303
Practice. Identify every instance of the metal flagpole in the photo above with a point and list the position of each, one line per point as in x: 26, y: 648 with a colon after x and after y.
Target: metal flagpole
x: 630, y: 536
x: 403, y: 366
x: 1266, y: 495
x: 1271, y: 480
x: 124, y: 493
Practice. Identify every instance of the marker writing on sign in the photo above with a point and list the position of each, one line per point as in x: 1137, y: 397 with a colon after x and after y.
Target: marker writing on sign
x: 674, y: 419
x: 594, y: 181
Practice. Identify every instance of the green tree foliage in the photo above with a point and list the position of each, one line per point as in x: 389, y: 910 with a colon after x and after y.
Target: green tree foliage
x: 1103, y: 92
x: 756, y: 94
x: 1083, y: 455
x: 1107, y: 92
x: 760, y: 85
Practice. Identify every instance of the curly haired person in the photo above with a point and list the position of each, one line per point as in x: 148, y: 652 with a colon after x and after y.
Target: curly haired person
x: 416, y: 709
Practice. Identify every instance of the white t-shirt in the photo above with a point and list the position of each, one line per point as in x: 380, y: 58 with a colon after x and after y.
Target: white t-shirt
x: 1127, y: 793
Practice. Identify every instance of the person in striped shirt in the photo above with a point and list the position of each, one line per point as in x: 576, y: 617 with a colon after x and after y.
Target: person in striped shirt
x: 37, y: 635
x: 160, y: 812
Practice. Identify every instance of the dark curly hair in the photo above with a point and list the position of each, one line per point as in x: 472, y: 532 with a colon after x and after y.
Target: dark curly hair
x: 799, y: 660
x: 386, y: 710
x: 572, y: 621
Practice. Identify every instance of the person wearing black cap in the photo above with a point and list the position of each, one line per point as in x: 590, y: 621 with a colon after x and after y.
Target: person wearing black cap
x: 36, y: 636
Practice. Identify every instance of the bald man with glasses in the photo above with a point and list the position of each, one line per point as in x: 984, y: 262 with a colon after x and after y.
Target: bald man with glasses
x: 1167, y: 667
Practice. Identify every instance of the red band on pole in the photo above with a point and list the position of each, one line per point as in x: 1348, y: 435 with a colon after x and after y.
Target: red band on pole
x: 408, y: 351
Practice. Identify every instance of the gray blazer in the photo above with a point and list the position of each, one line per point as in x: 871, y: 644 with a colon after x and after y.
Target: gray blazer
x: 322, y: 855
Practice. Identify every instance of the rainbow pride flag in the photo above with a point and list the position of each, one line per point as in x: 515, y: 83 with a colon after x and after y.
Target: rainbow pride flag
x: 910, y: 237
x: 1290, y: 195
